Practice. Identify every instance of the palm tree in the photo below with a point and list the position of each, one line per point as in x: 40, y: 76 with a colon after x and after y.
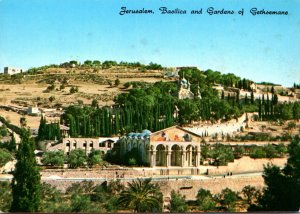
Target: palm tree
x: 141, y: 196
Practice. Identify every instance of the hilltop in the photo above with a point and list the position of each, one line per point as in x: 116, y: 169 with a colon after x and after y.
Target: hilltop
x: 49, y: 86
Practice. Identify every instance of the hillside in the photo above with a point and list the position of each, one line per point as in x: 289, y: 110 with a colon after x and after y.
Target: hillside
x: 35, y: 88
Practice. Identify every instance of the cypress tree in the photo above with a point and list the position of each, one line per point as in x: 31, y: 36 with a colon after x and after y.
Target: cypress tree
x: 259, y: 109
x: 252, y: 97
x: 26, y: 183
x: 41, y: 131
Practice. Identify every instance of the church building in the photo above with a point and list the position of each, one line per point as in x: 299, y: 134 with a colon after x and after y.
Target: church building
x: 173, y: 146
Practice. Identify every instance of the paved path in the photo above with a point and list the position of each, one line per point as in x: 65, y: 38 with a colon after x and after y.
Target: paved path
x: 7, y: 177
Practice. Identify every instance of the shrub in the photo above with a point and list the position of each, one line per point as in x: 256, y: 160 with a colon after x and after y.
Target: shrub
x: 178, y: 203
x: 53, y: 158
x: 76, y: 158
x: 5, y: 156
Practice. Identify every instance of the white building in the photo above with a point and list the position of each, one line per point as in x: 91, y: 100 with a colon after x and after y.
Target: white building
x: 11, y: 71
x: 33, y: 110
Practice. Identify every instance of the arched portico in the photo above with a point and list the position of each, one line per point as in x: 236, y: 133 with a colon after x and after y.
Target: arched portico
x: 161, y: 155
x: 190, y: 155
x: 175, y: 155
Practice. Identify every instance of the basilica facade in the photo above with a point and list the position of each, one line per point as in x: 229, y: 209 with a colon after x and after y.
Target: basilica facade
x: 170, y: 147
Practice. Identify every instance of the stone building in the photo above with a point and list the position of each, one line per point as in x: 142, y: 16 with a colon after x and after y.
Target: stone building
x: 87, y: 144
x: 11, y: 71
x: 184, y: 90
x: 173, y: 146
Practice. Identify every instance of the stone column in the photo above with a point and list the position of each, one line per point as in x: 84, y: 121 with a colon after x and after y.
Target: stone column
x: 198, y: 155
x: 168, y: 153
x: 153, y: 158
x: 183, y: 158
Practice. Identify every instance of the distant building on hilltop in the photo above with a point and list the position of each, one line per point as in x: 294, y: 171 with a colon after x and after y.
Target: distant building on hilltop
x: 11, y: 71
x: 184, y: 90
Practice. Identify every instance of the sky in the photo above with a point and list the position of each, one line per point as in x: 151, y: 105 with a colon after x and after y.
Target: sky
x: 261, y: 48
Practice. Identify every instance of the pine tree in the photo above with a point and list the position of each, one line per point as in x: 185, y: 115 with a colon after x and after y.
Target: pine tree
x: 26, y: 186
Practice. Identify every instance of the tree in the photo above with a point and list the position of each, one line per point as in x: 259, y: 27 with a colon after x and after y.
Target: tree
x: 23, y: 121
x: 53, y: 158
x: 178, y: 203
x: 26, y: 186
x: 73, y: 89
x: 76, y: 158
x: 205, y: 200
x: 94, y: 158
x: 283, y: 186
x: 94, y: 103
x: 251, y: 194
x: 117, y: 82
x: 228, y: 198
x: 141, y: 196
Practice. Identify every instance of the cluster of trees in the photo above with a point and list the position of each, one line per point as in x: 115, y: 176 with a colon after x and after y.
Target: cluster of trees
x: 95, y: 64
x: 76, y: 158
x: 48, y: 131
x: 297, y: 86
x: 220, y: 155
x: 135, y: 111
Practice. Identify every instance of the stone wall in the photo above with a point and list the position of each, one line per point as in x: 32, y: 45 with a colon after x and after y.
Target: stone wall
x: 190, y: 188
x: 246, y: 164
x: 187, y: 187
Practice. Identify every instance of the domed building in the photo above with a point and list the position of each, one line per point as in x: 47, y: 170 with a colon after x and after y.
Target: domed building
x: 184, y: 90
x: 173, y: 146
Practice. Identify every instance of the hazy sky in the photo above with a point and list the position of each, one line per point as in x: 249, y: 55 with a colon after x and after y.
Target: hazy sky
x: 261, y: 47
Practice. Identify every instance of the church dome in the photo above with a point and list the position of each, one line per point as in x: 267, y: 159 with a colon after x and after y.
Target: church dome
x: 146, y: 131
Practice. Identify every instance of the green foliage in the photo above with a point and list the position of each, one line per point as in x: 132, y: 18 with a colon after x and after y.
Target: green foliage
x: 131, y: 162
x: 258, y: 152
x: 228, y: 199
x: 94, y: 158
x: 53, y: 158
x: 178, y: 203
x: 205, y: 200
x: 50, y: 131
x: 5, y: 156
x: 94, y: 103
x: 26, y: 187
x: 221, y: 155
x: 76, y: 158
x: 3, y: 131
x: 5, y: 196
x: 80, y: 203
x: 282, y: 186
x: 251, y: 195
x: 9, y: 146
x: 74, y: 89
x: 117, y: 82
x: 141, y: 196
x: 51, y: 199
